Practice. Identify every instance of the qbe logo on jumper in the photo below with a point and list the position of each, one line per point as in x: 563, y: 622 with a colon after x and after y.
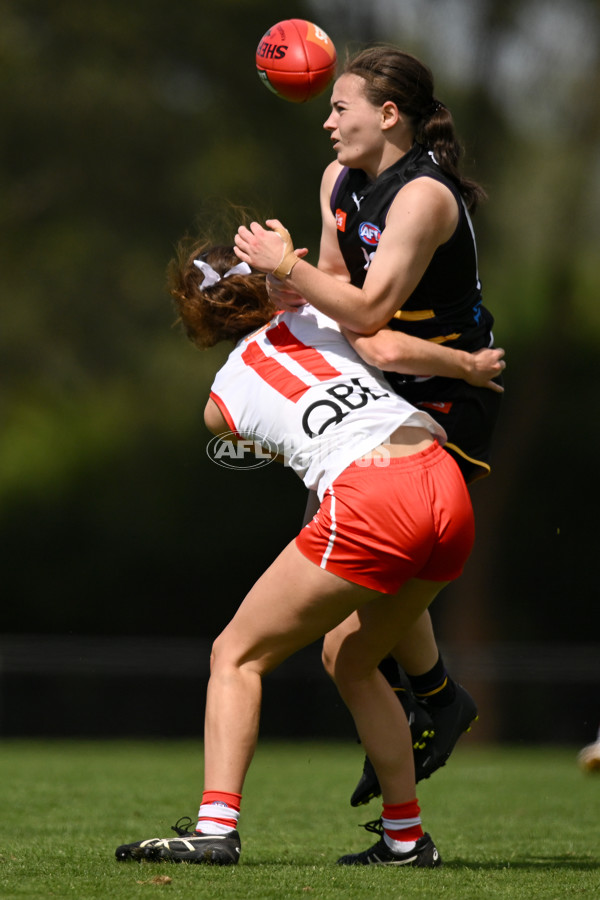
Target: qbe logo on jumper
x: 233, y: 452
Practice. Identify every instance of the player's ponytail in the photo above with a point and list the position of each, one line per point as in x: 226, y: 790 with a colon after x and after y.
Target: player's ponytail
x: 393, y: 75
x: 436, y: 132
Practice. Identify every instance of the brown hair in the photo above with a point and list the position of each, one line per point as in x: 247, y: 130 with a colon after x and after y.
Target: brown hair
x: 393, y: 75
x: 225, y: 311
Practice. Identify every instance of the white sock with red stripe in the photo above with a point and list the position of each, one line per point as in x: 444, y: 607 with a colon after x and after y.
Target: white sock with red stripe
x: 219, y: 812
x: 401, y: 825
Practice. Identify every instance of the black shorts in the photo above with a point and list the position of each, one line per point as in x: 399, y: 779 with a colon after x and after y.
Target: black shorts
x: 468, y: 415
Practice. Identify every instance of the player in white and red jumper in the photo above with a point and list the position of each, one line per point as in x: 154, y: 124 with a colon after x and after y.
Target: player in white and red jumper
x: 394, y: 526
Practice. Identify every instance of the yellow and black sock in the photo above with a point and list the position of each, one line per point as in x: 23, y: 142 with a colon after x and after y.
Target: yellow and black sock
x: 434, y: 686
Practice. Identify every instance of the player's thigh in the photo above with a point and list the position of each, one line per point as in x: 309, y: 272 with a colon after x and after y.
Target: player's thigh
x: 292, y: 604
x: 356, y: 646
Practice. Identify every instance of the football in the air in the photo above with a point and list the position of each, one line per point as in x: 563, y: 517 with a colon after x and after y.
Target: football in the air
x: 296, y: 60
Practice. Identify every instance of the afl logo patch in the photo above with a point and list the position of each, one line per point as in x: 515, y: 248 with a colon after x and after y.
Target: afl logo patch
x: 369, y: 233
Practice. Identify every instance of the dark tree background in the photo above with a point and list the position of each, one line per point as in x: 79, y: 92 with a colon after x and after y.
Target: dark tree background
x: 125, y: 126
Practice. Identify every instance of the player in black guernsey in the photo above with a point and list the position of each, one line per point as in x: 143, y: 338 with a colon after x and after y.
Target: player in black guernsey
x: 445, y: 307
x: 398, y: 250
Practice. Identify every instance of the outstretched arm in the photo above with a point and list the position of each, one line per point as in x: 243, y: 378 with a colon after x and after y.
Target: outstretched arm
x: 394, y: 351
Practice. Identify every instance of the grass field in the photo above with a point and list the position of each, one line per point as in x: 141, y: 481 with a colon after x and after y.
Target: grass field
x: 508, y: 822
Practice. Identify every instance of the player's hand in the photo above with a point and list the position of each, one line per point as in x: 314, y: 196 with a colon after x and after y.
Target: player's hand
x: 285, y: 298
x: 487, y: 364
x: 264, y: 248
x: 260, y: 248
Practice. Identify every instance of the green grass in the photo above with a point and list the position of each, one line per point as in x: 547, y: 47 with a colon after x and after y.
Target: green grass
x: 509, y: 823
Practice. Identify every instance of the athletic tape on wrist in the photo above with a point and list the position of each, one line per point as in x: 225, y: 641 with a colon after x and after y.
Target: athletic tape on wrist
x: 288, y: 257
x: 286, y: 265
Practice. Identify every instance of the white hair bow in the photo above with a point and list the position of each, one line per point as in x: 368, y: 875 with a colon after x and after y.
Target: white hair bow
x: 212, y: 277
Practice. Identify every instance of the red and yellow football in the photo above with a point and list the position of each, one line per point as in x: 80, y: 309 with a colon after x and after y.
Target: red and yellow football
x: 296, y: 60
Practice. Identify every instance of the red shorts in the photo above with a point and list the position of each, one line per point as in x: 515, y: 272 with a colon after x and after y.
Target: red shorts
x: 379, y: 526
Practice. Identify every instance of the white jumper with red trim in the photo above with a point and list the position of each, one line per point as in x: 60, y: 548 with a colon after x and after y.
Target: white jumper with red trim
x: 297, y: 383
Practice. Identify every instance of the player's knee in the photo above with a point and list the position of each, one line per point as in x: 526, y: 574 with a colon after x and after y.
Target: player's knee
x: 233, y: 656
x: 216, y: 656
x: 332, y: 655
x: 225, y: 654
x: 327, y: 657
x: 341, y: 663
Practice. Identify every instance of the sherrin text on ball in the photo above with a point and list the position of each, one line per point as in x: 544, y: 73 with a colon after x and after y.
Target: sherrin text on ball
x: 296, y: 60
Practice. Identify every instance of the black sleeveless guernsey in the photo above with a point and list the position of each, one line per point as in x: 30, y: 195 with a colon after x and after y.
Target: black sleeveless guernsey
x: 445, y: 307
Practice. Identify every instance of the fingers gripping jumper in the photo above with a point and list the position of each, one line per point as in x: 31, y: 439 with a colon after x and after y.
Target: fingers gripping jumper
x: 288, y: 257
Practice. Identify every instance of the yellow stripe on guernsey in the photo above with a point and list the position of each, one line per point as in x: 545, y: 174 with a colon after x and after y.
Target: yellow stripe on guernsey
x: 414, y: 315
x: 442, y: 338
x: 421, y: 315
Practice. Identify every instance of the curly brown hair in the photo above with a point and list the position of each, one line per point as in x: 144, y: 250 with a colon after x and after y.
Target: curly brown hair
x: 225, y: 311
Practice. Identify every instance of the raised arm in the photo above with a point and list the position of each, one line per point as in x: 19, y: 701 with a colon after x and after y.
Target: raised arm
x: 422, y: 216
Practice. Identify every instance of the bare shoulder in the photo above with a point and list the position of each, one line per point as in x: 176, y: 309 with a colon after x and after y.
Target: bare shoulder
x: 428, y: 201
x: 330, y: 255
x: 329, y: 176
x: 427, y: 191
x: 213, y: 418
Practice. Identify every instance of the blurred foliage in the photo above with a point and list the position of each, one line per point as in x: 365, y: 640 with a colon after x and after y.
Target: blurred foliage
x: 125, y: 125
